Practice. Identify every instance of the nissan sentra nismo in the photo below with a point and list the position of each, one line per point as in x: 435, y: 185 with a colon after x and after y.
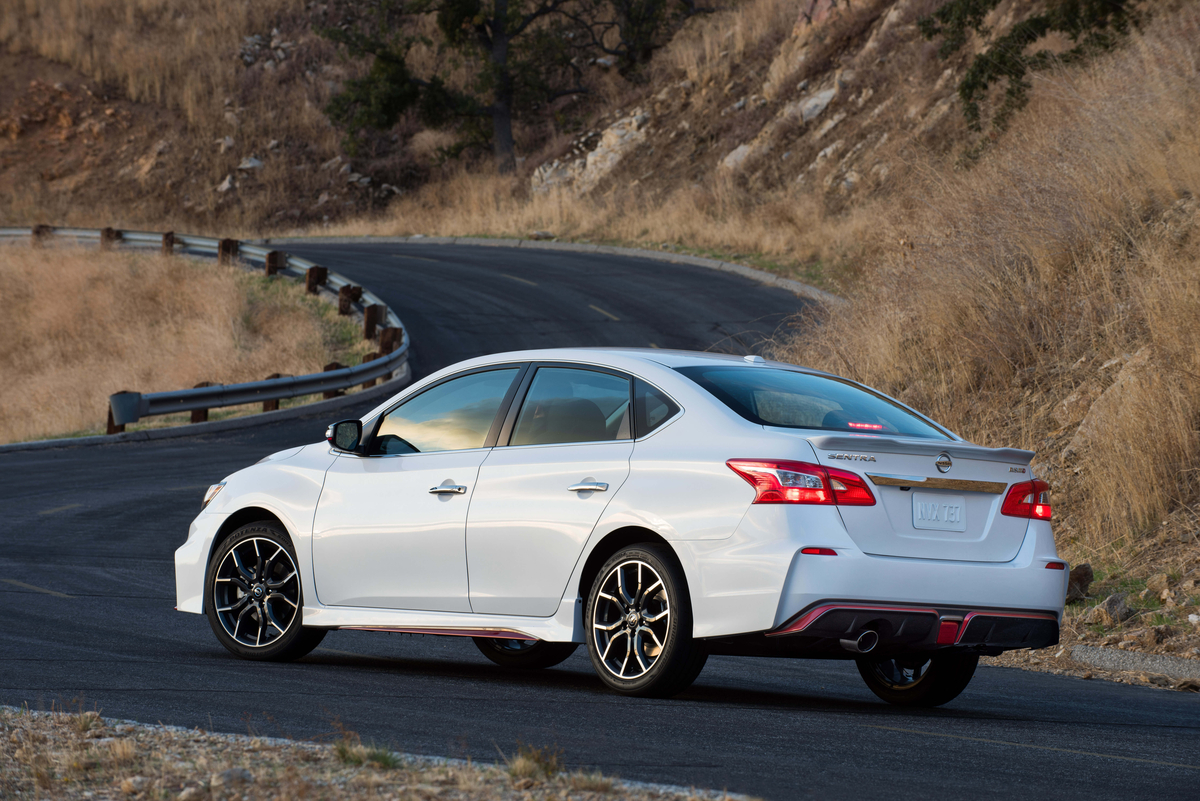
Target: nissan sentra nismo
x: 657, y: 506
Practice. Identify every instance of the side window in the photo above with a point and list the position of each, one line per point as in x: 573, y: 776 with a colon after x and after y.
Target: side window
x: 651, y: 408
x: 453, y: 416
x: 568, y: 405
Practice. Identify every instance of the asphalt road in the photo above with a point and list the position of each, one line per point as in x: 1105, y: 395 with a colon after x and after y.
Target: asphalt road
x: 86, y: 596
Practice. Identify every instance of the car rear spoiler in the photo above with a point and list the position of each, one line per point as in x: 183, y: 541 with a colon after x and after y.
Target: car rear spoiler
x: 931, y: 447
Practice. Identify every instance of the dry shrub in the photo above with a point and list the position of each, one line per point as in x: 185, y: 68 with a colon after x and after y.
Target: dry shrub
x: 1007, y: 286
x: 786, y: 227
x: 81, y: 325
x: 711, y: 45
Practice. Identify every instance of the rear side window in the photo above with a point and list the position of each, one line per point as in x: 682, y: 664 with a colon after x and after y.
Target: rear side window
x: 790, y: 399
x: 569, y: 405
x: 651, y: 408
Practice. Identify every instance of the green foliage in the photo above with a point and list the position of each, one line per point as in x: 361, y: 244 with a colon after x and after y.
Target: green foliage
x: 1093, y: 25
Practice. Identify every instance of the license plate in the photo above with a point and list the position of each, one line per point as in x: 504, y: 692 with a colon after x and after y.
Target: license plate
x: 939, y: 512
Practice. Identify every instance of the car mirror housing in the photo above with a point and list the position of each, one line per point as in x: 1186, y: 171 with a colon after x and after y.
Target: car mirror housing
x: 345, y: 435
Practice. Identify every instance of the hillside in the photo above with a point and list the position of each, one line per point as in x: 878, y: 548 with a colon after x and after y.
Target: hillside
x: 1035, y: 288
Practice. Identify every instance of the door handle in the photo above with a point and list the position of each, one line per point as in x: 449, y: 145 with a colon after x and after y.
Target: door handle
x: 449, y: 489
x: 588, y: 486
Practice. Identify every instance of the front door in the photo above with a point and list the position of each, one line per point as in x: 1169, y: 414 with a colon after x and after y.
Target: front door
x: 537, y: 500
x: 390, y: 527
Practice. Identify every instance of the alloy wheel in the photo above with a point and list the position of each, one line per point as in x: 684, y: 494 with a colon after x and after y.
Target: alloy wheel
x: 630, y: 619
x: 256, y: 592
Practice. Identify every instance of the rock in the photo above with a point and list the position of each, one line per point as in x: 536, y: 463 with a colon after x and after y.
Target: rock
x: 134, y: 785
x: 583, y: 174
x: 542, y: 236
x: 333, y: 162
x: 1155, y: 635
x: 226, y: 143
x: 251, y: 163
x: 1112, y: 611
x: 364, y: 181
x: 741, y: 104
x: 227, y: 184
x: 830, y: 124
x: 1111, y: 404
x: 352, y: 178
x: 190, y: 794
x: 606, y: 63
x: 1075, y: 406
x: 230, y: 780
x: 1078, y: 582
x: 1158, y: 583
x: 1188, y: 685
x: 346, y: 169
x: 273, y: 144
x: 811, y: 108
x: 1194, y: 620
x: 735, y: 158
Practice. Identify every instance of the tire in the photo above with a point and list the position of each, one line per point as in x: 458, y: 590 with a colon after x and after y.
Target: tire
x: 253, y: 597
x: 920, y: 682
x: 524, y: 654
x: 652, y: 621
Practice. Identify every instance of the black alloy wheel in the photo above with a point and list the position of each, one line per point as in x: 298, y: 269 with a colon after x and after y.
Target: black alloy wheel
x: 524, y: 654
x: 924, y: 681
x: 253, y: 597
x: 639, y: 624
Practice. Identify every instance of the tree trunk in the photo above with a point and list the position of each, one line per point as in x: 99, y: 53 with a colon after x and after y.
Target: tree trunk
x: 502, y: 135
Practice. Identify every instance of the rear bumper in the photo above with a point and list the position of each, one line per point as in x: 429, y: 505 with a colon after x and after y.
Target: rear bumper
x: 904, y: 628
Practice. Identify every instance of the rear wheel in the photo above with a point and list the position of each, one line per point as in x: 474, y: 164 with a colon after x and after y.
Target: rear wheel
x: 526, y: 654
x: 253, y: 597
x: 918, y: 681
x: 639, y: 624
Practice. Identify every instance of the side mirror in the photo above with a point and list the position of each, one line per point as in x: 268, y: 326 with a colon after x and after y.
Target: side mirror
x: 345, y: 435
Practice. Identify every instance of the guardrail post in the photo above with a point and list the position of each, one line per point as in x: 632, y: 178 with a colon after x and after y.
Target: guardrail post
x: 315, y: 278
x: 333, y: 393
x: 113, y: 428
x: 109, y: 237
x: 390, y: 339
x: 201, y: 415
x: 370, y: 357
x: 373, y: 315
x: 347, y: 295
x: 227, y: 251
x: 168, y: 246
x: 40, y: 234
x: 275, y: 262
x: 123, y: 407
x: 271, y: 405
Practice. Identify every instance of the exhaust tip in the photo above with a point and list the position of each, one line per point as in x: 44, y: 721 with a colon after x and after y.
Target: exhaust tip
x: 864, y: 643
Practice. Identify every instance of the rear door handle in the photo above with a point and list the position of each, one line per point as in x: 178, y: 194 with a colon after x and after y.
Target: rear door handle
x: 449, y: 489
x: 588, y: 486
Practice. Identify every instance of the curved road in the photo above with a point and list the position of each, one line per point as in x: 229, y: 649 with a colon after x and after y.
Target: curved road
x: 86, y: 595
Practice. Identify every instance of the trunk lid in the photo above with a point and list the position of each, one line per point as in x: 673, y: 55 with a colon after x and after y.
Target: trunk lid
x: 935, y: 499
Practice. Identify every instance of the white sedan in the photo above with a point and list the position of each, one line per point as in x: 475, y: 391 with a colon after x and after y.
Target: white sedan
x: 659, y: 506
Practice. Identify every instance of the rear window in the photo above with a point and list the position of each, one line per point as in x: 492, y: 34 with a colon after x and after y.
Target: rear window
x: 790, y: 399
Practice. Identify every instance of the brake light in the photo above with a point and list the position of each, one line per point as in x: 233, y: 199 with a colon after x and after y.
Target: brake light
x: 1028, y: 499
x: 867, y: 426
x: 779, y: 481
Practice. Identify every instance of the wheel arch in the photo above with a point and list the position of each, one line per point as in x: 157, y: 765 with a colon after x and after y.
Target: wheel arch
x: 243, y: 517
x: 613, y: 542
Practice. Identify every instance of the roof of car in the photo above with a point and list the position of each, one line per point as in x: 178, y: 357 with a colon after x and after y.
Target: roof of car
x: 659, y: 356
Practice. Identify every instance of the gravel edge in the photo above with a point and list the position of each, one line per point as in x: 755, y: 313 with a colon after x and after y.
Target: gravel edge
x: 1113, y: 659
x: 417, y: 759
x: 761, y: 276
x: 321, y: 407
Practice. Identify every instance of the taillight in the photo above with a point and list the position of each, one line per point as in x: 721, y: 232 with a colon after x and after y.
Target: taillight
x: 779, y: 481
x: 1028, y: 499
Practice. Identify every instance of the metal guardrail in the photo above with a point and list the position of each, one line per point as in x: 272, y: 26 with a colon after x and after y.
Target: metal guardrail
x: 129, y: 407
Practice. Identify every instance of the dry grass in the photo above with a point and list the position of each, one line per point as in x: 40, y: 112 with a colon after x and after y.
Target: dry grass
x: 48, y: 756
x: 81, y: 325
x: 1007, y: 288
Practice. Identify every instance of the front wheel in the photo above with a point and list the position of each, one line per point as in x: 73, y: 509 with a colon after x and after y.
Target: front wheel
x: 639, y: 624
x: 253, y: 598
x: 918, y: 681
x: 524, y: 654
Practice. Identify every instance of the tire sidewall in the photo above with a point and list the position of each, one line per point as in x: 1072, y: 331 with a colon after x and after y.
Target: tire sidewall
x: 283, y: 644
x: 677, y: 648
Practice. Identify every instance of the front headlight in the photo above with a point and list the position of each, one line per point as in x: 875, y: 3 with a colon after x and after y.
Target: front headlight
x: 212, y: 493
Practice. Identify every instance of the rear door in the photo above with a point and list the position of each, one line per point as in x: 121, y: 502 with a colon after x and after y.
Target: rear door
x: 538, y: 498
x: 935, y: 499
